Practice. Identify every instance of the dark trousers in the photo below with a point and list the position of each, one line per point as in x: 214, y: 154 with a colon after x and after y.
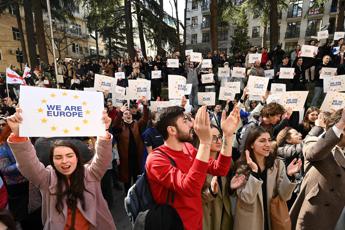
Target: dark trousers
x: 106, y: 186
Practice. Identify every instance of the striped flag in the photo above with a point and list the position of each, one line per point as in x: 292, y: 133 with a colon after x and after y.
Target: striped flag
x: 26, y: 73
x: 13, y: 78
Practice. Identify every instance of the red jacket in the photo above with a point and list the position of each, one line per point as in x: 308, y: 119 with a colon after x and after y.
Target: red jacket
x: 186, y: 180
x: 3, y: 194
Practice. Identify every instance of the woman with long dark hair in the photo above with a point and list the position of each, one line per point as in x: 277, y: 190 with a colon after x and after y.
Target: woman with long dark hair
x: 71, y: 191
x: 308, y: 121
x: 266, y: 178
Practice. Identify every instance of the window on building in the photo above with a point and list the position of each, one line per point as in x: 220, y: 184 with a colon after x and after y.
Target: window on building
x: 256, y: 31
x: 194, y: 22
x: 16, y: 33
x: 293, y: 29
x: 334, y: 6
x: 289, y: 46
x: 205, y: 22
x: 76, y: 29
x: 315, y: 8
x: 313, y: 27
x: 223, y: 35
x: 75, y: 48
x: 194, y: 39
x: 86, y: 50
x: 206, y: 37
x: 205, y: 5
x: 295, y: 8
x: 194, y: 4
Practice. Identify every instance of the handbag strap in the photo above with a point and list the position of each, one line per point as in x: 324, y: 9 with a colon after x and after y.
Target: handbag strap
x: 277, y: 179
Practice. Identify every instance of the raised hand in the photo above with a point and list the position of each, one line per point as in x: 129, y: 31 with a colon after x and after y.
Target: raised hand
x: 341, y: 122
x: 251, y: 163
x: 14, y: 121
x: 124, y: 108
x: 202, y: 126
x: 229, y: 124
x: 237, y: 181
x: 106, y: 119
x: 214, y: 185
x: 294, y: 167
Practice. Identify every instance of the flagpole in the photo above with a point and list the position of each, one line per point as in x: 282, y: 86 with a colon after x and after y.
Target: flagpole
x: 8, y: 93
x: 52, y: 37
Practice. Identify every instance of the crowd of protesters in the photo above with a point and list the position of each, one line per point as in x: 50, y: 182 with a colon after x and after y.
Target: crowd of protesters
x: 231, y: 160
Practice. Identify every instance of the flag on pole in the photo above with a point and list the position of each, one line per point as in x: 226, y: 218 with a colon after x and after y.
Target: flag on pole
x: 13, y: 78
x: 26, y: 73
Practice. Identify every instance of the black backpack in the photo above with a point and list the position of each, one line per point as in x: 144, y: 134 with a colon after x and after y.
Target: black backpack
x: 139, y: 203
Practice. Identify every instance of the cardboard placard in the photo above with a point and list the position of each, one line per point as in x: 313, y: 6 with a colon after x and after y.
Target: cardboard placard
x: 225, y: 94
x: 206, y: 63
x: 276, y: 97
x: 257, y: 85
x: 196, y: 57
x: 334, y: 83
x: 255, y: 98
x: 177, y: 86
x: 269, y: 73
x: 90, y: 89
x: 138, y: 88
x: 188, y: 52
x: 238, y: 72
x: 118, y: 100
x: 322, y: 34
x: 55, y: 112
x: 327, y: 72
x: 308, y: 51
x: 188, y: 89
x: 286, y: 73
x: 120, y: 75
x: 59, y: 78
x: 172, y: 63
x: 295, y: 100
x: 104, y: 83
x: 159, y: 106
x: 338, y: 35
x: 234, y: 86
x: 207, y: 98
x: 223, y: 72
x: 278, y: 88
x: 207, y: 78
x: 156, y: 74
x: 333, y: 101
x: 120, y: 90
x: 254, y: 57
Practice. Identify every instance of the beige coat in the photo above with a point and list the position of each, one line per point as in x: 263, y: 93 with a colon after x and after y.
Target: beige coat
x: 322, y: 196
x: 249, y: 208
x: 217, y: 210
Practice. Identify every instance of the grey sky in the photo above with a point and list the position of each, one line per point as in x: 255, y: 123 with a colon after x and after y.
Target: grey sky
x: 171, y: 11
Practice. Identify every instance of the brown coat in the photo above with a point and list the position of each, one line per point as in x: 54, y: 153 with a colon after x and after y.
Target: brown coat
x: 249, y: 208
x: 322, y: 196
x: 122, y: 130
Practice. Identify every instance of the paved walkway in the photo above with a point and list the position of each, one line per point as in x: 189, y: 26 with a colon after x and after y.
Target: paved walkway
x: 119, y: 213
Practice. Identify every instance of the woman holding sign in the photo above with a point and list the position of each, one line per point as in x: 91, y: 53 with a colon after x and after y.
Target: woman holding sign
x: 71, y: 191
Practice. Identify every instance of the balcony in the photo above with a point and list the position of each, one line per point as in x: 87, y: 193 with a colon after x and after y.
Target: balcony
x: 205, y: 25
x: 205, y: 7
x: 311, y: 32
x: 294, y: 14
x: 292, y: 34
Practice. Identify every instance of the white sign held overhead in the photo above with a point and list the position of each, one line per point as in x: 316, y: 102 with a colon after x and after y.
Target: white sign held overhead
x: 234, y: 87
x: 225, y: 94
x: 120, y: 75
x: 156, y: 74
x: 223, y: 72
x: 278, y: 88
x: 322, y: 34
x: 338, y: 35
x: 308, y: 51
x: 196, y: 57
x: 104, y: 83
x: 207, y: 78
x: 254, y: 57
x: 257, y: 85
x: 206, y: 63
x: 238, y: 72
x: 188, y: 52
x: 177, y: 86
x: 138, y: 88
x: 286, y: 73
x: 207, y: 98
x: 172, y: 63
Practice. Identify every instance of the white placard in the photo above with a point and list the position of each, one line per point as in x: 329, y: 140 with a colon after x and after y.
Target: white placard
x: 177, y: 86
x: 322, y: 34
x: 55, y: 112
x: 188, y: 52
x: 172, y: 63
x: 120, y: 75
x: 120, y: 90
x: 286, y: 73
x: 223, y: 72
x: 90, y: 89
x: 234, y: 86
x: 188, y: 89
x: 225, y: 94
x: 339, y: 35
x: 156, y: 74
x: 257, y: 85
x: 255, y: 98
x: 276, y: 97
x: 269, y: 73
x: 334, y: 83
x: 138, y: 88
x: 158, y: 106
x: 46, y: 82
x: 333, y: 101
x: 59, y: 78
x: 238, y: 72
x: 295, y: 100
x: 117, y: 99
x: 206, y: 63
x: 254, y: 57
x: 104, y: 83
x: 308, y: 51
x: 207, y: 78
x: 207, y: 98
x: 327, y: 72
x: 278, y: 88
x: 196, y: 57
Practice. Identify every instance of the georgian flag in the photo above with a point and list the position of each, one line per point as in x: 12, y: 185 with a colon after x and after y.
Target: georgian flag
x: 26, y: 73
x: 13, y: 78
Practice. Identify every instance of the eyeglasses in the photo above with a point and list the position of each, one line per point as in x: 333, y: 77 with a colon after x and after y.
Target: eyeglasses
x: 216, y: 138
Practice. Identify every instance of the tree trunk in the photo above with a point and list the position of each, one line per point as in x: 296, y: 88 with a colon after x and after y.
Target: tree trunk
x: 109, y: 45
x: 20, y: 28
x: 30, y: 33
x: 177, y: 26
x: 185, y: 28
x: 273, y: 23
x: 160, y: 50
x: 129, y: 29
x: 97, y: 46
x: 214, y: 25
x: 264, y: 36
x: 41, y: 38
x: 140, y: 28
x: 340, y: 18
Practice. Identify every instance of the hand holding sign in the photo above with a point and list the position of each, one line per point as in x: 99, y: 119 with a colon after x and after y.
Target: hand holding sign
x: 14, y: 121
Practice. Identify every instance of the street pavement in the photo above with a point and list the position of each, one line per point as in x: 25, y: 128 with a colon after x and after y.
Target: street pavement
x: 119, y: 213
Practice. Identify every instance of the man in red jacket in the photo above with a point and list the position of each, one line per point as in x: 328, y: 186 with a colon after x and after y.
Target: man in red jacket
x: 186, y: 179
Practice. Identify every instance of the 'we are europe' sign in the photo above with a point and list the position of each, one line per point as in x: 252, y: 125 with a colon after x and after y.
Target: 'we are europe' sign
x: 55, y: 112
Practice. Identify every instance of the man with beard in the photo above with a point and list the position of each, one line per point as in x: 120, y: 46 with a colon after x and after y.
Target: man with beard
x: 185, y: 180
